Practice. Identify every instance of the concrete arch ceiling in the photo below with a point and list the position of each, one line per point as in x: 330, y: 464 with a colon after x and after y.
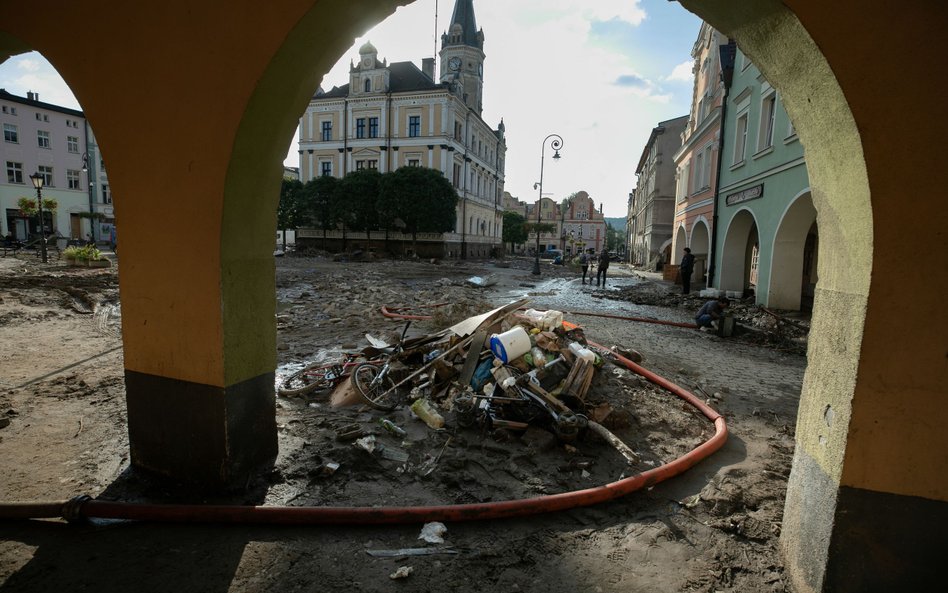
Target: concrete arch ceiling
x: 212, y: 202
x: 214, y: 191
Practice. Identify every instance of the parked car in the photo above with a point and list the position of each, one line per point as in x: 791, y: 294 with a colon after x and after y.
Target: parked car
x: 552, y: 254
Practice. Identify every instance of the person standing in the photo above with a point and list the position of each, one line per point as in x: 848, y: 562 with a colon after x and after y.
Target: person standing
x: 584, y: 263
x: 686, y: 268
x: 603, y: 266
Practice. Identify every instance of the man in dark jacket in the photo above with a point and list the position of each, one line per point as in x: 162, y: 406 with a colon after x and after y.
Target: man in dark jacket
x: 603, y: 266
x: 686, y: 267
x: 711, y: 311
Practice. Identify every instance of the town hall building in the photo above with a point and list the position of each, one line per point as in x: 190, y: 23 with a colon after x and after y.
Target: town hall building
x: 393, y: 115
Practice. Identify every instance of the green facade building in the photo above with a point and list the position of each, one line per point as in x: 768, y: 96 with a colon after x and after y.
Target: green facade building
x: 766, y: 240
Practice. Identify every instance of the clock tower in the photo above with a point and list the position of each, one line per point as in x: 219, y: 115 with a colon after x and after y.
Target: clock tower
x: 462, y: 55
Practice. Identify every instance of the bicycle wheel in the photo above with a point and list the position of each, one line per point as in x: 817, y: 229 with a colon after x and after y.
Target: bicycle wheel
x: 310, y: 379
x: 380, y: 393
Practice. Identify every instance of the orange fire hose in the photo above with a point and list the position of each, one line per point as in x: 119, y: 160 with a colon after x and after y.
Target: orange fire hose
x: 83, y: 507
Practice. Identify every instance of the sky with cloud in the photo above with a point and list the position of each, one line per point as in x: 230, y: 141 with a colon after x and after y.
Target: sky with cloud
x: 600, y: 73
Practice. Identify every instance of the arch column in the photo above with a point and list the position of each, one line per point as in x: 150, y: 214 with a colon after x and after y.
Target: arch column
x: 194, y: 105
x: 866, y: 499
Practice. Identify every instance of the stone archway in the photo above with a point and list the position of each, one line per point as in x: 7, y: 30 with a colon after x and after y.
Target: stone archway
x: 700, y: 243
x: 867, y: 495
x: 787, y: 254
x: 681, y: 241
x: 734, y: 253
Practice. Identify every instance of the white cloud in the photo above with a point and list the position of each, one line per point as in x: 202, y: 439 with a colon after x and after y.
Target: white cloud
x: 543, y: 75
x: 682, y: 72
x: 32, y: 72
x: 28, y: 64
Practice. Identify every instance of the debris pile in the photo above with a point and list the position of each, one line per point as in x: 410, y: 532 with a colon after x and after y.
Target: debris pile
x: 508, y: 404
x: 507, y: 370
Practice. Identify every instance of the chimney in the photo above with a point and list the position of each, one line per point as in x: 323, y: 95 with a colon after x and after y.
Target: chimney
x: 427, y: 66
x: 30, y: 96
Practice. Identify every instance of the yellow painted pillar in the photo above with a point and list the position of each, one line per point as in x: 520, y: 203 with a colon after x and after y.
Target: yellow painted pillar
x: 866, y: 501
x: 194, y: 105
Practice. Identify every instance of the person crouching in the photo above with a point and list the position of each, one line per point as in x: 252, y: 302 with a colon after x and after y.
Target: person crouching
x: 711, y: 311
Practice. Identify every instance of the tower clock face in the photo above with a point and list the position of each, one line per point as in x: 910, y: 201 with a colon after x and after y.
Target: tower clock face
x: 454, y: 63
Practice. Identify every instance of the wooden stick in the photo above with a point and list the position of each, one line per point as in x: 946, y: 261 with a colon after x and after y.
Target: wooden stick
x: 623, y: 449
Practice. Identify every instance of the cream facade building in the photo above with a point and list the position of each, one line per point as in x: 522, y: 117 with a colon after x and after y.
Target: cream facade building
x: 397, y: 115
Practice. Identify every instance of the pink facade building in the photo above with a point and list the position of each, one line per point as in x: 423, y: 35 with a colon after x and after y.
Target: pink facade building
x: 696, y: 161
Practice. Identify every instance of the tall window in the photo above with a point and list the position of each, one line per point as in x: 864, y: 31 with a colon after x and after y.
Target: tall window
x: 367, y: 164
x: 10, y: 134
x: 368, y: 85
x: 47, y: 174
x: 373, y: 127
x: 14, y: 172
x: 72, y: 179
x: 768, y: 111
x: 414, y: 163
x: 106, y: 196
x: 706, y: 174
x: 325, y: 168
x: 72, y: 144
x: 699, y: 168
x: 373, y: 164
x: 327, y: 131
x: 740, y: 139
x: 42, y: 138
x: 414, y: 126
x: 360, y: 127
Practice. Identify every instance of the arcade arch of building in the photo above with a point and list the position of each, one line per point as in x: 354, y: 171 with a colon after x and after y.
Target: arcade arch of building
x: 867, y: 495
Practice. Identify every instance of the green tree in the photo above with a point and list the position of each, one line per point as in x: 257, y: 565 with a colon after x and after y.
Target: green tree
x: 515, y: 229
x: 357, y: 205
x: 421, y: 198
x: 319, y: 202
x: 612, y: 238
x: 290, y: 209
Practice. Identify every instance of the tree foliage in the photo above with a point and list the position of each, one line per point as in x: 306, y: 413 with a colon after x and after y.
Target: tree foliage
x: 420, y: 197
x: 515, y: 229
x: 612, y: 238
x: 321, y: 201
x: 409, y: 199
x: 358, y: 199
x: 290, y: 208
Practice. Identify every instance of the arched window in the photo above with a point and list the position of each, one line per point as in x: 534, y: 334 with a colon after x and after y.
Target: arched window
x: 368, y: 85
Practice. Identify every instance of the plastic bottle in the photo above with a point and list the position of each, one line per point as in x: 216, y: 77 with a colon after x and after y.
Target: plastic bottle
x: 539, y: 358
x: 392, y: 427
x: 579, y: 351
x: 428, y: 414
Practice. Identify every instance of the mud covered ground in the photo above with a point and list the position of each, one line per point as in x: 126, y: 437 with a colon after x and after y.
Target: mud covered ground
x: 714, y: 528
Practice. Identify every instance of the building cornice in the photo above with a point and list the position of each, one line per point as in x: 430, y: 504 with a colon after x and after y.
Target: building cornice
x: 706, y: 125
x: 763, y: 175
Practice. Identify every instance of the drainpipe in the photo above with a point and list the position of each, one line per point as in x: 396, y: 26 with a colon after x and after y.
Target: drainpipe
x: 467, y: 159
x: 728, y: 52
x: 90, y: 175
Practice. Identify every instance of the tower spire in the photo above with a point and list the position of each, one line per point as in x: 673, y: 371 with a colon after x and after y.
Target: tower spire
x: 464, y: 16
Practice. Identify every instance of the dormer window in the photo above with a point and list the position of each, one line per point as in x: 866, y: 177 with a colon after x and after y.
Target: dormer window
x: 368, y: 85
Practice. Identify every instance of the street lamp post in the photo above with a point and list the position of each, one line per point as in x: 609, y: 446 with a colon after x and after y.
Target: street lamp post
x: 556, y: 144
x: 37, y: 180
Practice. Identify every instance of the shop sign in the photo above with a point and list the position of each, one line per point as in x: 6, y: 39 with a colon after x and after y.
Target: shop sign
x: 750, y: 193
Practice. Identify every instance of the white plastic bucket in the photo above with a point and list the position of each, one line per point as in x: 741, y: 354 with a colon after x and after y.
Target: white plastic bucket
x: 510, y: 345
